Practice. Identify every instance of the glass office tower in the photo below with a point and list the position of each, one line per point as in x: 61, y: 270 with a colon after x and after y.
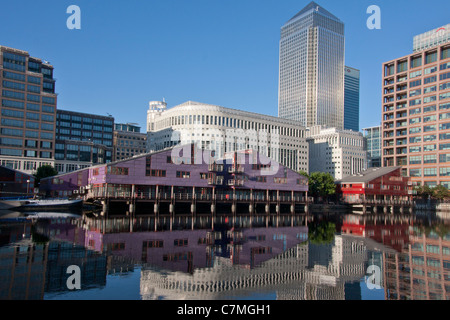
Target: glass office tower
x: 311, y: 75
x: 351, y: 99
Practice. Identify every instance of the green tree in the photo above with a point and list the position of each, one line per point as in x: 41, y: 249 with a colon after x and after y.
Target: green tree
x: 424, y: 191
x: 44, y: 171
x: 321, y: 233
x: 304, y: 173
x: 440, y: 192
x: 321, y: 184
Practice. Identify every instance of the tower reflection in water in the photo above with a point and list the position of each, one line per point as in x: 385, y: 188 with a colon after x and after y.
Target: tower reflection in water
x: 213, y: 258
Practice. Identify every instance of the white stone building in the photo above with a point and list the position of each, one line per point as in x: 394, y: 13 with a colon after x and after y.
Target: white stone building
x: 226, y: 130
x: 338, y: 152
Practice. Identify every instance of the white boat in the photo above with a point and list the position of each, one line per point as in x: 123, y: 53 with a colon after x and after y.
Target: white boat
x: 41, y: 205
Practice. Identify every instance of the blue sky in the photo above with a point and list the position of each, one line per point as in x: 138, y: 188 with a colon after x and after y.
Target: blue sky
x: 222, y: 52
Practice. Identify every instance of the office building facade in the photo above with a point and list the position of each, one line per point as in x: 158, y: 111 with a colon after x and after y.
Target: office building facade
x: 372, y: 138
x: 226, y: 130
x: 311, y: 74
x: 128, y: 141
x: 28, y: 111
x: 351, y: 99
x: 340, y: 153
x: 416, y: 115
x: 82, y: 140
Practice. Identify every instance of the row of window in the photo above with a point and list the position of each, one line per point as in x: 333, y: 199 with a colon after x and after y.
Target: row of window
x: 84, y: 120
x: 84, y: 126
x: 432, y: 147
x: 29, y: 97
x: 233, y: 123
x: 430, y: 172
x: 430, y: 159
x: 417, y: 61
x: 29, y: 106
x: 26, y: 153
x: 28, y: 134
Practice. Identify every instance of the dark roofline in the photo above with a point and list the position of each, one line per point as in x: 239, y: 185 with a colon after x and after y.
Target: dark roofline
x: 368, y: 175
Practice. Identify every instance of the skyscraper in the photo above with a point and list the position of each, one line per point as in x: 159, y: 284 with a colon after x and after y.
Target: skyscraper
x: 351, y: 99
x: 311, y: 75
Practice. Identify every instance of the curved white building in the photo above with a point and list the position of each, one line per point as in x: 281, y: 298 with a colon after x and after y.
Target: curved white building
x: 226, y: 130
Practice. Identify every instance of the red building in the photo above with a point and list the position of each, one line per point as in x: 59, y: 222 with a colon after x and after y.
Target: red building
x: 14, y: 183
x: 375, y: 184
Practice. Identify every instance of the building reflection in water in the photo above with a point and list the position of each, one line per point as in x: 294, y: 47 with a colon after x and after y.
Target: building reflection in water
x: 220, y: 257
x: 419, y: 269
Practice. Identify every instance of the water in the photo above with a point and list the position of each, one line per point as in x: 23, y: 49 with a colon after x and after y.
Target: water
x: 315, y: 257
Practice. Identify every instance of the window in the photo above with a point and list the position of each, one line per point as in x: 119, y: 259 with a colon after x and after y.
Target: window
x: 33, y: 98
x: 183, y: 174
x: 416, y: 62
x: 48, y: 100
x: 48, y: 109
x: 34, y: 89
x: 444, y: 172
x: 444, y: 158
x: 13, y: 85
x: 429, y: 109
x: 429, y: 128
x: 12, y: 123
x: 431, y: 158
x: 12, y: 113
x: 429, y: 172
x: 11, y: 152
x: 430, y: 79
x: 13, y: 76
x: 415, y: 172
x: 118, y: 171
x: 429, y: 118
x: 430, y: 57
x: 430, y: 147
x: 158, y: 173
x: 402, y: 66
x: 444, y: 76
x: 444, y: 106
x: 11, y: 142
x: 429, y: 99
x: 415, y: 160
x: 444, y: 96
x: 430, y: 70
x: 180, y: 242
x: 444, y: 136
x: 13, y: 95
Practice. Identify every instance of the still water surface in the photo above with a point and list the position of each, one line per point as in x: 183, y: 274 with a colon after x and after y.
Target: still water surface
x: 314, y: 257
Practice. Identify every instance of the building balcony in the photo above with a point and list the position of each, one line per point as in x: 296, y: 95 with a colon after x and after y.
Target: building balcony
x: 215, y: 167
x: 217, y: 181
x: 235, y: 183
x: 236, y: 169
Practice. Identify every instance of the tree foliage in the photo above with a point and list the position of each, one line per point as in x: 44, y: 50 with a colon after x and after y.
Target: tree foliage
x: 439, y: 192
x: 45, y: 171
x: 322, y: 233
x: 321, y: 184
